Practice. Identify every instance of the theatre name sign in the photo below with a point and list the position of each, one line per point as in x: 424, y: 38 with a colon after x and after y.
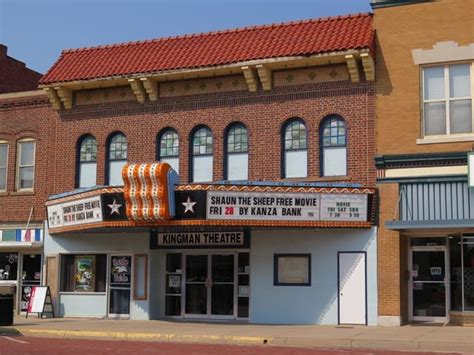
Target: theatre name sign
x: 286, y: 206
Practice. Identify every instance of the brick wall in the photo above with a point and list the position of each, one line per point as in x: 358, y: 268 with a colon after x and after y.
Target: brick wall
x: 14, y: 75
x: 398, y: 122
x: 27, y: 117
x: 263, y: 113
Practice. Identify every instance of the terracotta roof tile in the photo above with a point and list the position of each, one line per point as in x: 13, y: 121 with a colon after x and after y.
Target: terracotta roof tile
x: 214, y: 48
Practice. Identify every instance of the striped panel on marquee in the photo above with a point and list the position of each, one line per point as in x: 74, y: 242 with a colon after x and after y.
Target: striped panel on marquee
x: 147, y: 191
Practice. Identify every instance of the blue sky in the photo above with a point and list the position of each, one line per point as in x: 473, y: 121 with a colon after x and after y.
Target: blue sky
x: 36, y: 31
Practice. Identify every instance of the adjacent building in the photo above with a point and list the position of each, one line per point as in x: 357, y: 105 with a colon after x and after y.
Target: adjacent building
x: 424, y: 92
x: 26, y: 147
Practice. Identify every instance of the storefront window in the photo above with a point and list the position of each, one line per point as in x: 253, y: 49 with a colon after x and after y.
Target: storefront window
x: 468, y: 262
x: 173, y: 284
x: 456, y: 273
x: 83, y: 273
x: 8, y: 266
x: 462, y: 273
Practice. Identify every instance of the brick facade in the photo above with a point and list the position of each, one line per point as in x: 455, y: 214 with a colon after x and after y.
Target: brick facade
x: 399, y: 120
x: 28, y: 115
x: 14, y: 75
x: 263, y: 113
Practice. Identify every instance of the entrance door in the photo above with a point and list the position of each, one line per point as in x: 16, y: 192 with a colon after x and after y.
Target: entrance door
x: 352, y: 288
x: 30, y: 276
x: 197, y: 283
x: 428, y: 284
x: 120, y: 285
x: 210, y: 286
x: 222, y: 285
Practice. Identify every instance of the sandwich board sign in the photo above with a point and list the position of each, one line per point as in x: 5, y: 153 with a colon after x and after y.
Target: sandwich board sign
x: 40, y: 297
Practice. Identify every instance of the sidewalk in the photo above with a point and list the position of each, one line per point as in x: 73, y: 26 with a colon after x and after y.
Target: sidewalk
x: 408, y: 338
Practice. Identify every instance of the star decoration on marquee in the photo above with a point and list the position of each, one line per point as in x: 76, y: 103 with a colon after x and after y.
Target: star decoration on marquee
x: 115, y: 208
x: 188, y: 205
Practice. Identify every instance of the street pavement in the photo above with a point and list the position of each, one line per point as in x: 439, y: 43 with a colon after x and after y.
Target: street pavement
x: 406, y: 338
x: 15, y: 345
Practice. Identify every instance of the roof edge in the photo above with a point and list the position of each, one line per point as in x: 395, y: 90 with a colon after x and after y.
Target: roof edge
x: 217, y: 32
x: 203, y: 69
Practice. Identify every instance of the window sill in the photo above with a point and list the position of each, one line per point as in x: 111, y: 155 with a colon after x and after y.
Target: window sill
x: 318, y: 179
x: 22, y: 193
x: 446, y: 139
x: 4, y: 193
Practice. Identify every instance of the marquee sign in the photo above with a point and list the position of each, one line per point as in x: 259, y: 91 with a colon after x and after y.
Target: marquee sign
x: 286, y: 206
x: 88, y: 210
x: 105, y: 207
x: 149, y: 191
x: 214, y: 239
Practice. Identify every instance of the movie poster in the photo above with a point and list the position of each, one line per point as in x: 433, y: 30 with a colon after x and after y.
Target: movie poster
x: 85, y: 273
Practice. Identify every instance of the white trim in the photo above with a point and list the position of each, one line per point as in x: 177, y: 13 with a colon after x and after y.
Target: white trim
x: 453, y: 138
x: 22, y: 94
x: 447, y: 51
x: 429, y: 171
x: 5, y: 245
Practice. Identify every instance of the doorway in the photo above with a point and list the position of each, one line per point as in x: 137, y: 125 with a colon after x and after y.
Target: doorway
x: 352, y: 286
x: 120, y: 285
x: 428, y: 284
x: 209, y: 285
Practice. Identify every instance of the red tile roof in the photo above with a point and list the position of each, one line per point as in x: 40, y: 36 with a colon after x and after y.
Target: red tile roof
x: 214, y: 48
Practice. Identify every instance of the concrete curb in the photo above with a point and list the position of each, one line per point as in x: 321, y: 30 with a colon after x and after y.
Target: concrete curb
x: 359, y: 344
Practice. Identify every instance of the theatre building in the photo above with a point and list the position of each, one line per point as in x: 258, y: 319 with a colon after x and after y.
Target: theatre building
x: 425, y: 139
x: 25, y: 117
x: 218, y: 176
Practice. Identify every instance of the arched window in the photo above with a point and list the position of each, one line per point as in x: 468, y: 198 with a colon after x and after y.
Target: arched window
x: 168, y: 148
x: 117, y: 151
x: 333, y: 143
x: 87, y: 162
x: 237, y: 156
x: 295, y: 149
x: 201, y: 152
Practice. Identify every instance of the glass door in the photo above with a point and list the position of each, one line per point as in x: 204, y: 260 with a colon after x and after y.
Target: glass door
x: 120, y: 285
x: 210, y: 286
x: 196, y: 286
x: 222, y: 286
x: 428, y: 284
x: 30, y: 276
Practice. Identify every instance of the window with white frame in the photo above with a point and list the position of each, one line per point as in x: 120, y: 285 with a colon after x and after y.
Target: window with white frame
x: 87, y: 165
x: 202, y: 160
x: 333, y: 138
x: 168, y: 148
x: 117, y: 158
x: 295, y: 151
x: 3, y: 165
x: 447, y: 99
x: 25, y: 164
x: 237, y: 153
